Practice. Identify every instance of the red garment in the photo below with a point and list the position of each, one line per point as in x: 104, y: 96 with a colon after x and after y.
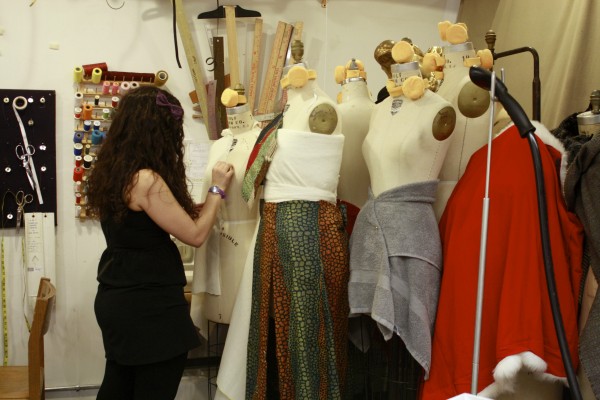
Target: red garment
x: 516, y: 308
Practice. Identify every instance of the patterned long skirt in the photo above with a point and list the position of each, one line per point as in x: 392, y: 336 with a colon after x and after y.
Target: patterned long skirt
x: 301, y: 267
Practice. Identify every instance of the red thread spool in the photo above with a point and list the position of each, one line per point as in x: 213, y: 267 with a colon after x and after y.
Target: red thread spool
x: 78, y: 111
x: 114, y: 89
x: 78, y: 161
x: 115, y: 102
x: 77, y: 174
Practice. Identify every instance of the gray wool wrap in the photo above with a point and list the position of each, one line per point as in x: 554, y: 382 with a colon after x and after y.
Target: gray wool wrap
x: 395, y: 265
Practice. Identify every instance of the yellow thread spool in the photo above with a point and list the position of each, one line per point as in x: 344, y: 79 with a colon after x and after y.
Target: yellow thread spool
x: 96, y: 75
x: 78, y: 74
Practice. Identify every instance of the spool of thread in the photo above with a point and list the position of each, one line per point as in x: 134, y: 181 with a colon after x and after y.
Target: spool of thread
x: 96, y: 100
x: 96, y: 137
x: 88, y: 110
x: 124, y: 88
x: 161, y: 78
x: 115, y: 101
x: 78, y: 99
x: 96, y: 75
x: 78, y: 161
x: 87, y: 125
x: 78, y: 111
x: 106, y: 87
x: 78, y: 74
x: 77, y: 174
x: 77, y: 186
x: 77, y: 149
x: 77, y: 198
x: 134, y: 85
x: 87, y: 149
x: 97, y: 125
x: 77, y: 211
x: 114, y: 89
x: 77, y: 137
x: 105, y: 113
x: 87, y: 161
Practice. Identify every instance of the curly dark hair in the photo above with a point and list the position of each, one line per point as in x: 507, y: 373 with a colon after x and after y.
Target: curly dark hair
x: 142, y: 135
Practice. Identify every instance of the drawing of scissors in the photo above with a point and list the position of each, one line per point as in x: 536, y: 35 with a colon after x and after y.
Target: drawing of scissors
x: 22, y: 200
x: 24, y: 154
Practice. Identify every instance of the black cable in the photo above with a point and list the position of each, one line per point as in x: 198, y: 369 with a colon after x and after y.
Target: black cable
x: 175, y: 33
x: 549, y: 268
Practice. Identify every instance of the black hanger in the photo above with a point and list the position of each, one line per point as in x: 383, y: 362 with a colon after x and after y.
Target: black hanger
x: 219, y: 12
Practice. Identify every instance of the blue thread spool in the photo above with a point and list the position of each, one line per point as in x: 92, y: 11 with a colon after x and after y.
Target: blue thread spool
x: 77, y: 148
x: 77, y: 137
x: 96, y: 137
x: 87, y: 125
x: 97, y: 125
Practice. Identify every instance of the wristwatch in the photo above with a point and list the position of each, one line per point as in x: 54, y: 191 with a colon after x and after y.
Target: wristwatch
x: 217, y: 190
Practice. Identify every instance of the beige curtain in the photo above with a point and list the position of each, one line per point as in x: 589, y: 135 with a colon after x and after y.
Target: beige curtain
x: 566, y: 35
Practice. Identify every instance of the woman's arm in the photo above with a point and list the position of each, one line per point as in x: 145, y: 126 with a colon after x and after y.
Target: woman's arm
x: 151, y: 194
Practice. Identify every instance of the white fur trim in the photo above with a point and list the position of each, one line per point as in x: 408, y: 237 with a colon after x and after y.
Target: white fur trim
x: 506, y: 372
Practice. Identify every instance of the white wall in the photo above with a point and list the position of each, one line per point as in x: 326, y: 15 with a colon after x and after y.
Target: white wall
x: 139, y: 37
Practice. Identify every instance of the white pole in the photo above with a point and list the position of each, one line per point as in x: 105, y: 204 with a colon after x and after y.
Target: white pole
x: 483, y: 246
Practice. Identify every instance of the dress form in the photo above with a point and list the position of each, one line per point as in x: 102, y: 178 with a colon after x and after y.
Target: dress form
x: 471, y: 129
x: 401, y: 146
x: 300, y: 274
x: 222, y: 259
x: 354, y: 106
x: 404, y: 149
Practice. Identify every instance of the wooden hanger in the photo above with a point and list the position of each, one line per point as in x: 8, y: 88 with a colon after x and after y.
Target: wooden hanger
x: 219, y: 12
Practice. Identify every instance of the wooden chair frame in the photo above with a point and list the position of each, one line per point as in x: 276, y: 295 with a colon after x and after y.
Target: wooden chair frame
x: 28, y: 382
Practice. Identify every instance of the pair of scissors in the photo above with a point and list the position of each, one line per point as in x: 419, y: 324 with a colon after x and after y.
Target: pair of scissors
x: 22, y: 200
x: 24, y: 154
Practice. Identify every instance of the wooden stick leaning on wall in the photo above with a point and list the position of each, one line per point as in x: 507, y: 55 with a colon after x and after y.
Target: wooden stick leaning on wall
x: 234, y: 66
x: 252, y: 85
x: 269, y: 78
x: 195, y: 67
x: 277, y: 72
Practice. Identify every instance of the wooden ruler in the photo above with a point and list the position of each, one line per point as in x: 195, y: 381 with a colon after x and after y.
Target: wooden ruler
x: 278, y: 70
x: 234, y: 67
x: 269, y: 78
x: 196, y: 68
x: 258, y: 26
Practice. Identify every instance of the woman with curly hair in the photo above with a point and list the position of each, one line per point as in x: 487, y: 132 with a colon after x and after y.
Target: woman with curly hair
x: 138, y: 191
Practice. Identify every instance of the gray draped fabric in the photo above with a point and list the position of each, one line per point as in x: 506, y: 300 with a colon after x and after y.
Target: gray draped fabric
x: 582, y: 191
x: 395, y: 265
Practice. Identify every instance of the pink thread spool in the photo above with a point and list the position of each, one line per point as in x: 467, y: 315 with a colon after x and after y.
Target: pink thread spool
x: 115, y: 88
x: 106, y: 87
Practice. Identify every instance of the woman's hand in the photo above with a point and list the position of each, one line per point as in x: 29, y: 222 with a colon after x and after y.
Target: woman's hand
x: 222, y: 173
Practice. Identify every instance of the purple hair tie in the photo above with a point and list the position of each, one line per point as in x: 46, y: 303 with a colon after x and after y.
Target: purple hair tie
x: 176, y: 111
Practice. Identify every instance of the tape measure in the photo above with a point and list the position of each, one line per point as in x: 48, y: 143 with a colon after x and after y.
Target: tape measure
x: 4, y: 317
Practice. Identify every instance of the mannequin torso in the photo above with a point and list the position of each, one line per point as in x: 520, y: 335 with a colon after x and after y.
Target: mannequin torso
x: 355, y: 110
x: 470, y: 132
x: 305, y: 102
x: 401, y: 146
x: 228, y: 246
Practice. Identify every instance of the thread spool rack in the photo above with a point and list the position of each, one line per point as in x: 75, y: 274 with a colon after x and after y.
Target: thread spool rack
x: 96, y: 98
